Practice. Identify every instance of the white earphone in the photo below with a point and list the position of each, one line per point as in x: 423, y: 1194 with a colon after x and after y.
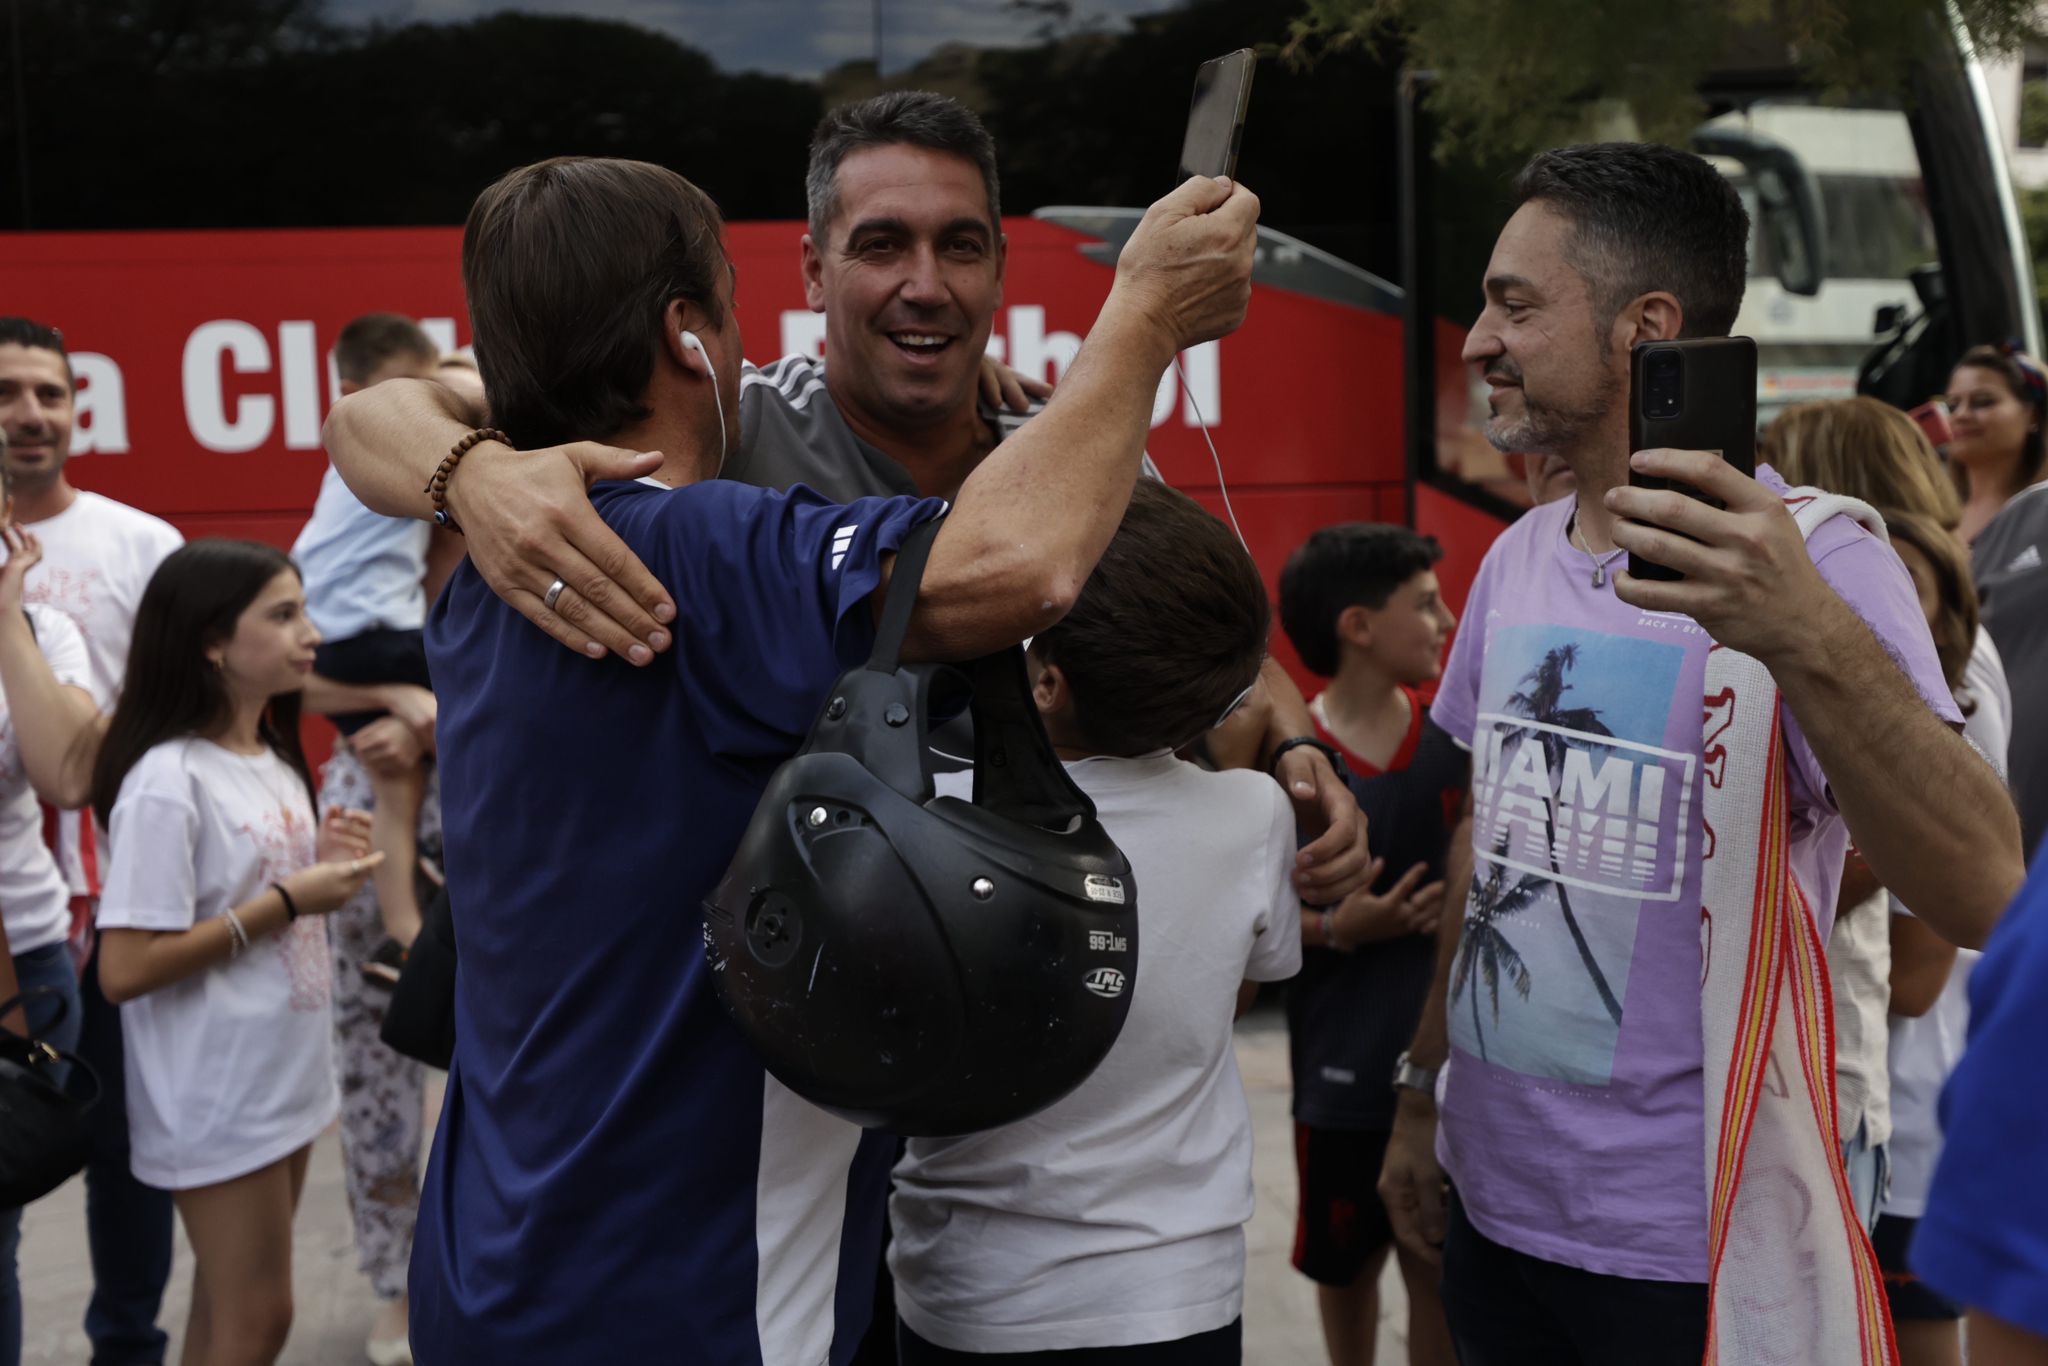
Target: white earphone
x: 691, y: 343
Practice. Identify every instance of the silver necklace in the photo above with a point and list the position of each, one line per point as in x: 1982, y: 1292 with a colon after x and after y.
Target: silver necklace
x: 1599, y: 564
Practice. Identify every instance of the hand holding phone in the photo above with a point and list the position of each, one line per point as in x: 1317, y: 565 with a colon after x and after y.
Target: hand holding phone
x: 1223, y: 91
x: 1695, y: 395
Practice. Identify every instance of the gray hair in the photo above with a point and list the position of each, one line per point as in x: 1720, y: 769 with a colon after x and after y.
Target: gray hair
x: 918, y: 118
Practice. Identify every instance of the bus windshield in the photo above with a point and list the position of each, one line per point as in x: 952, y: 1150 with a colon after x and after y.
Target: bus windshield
x: 1876, y: 230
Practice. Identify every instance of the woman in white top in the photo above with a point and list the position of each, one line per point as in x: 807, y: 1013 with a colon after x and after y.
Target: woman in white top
x: 1929, y: 1008
x: 46, y: 711
x: 209, y: 921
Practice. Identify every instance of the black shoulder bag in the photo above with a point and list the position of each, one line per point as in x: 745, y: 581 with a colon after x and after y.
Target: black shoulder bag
x: 42, y: 1120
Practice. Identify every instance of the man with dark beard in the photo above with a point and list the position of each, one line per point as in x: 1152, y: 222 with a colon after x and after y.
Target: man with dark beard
x: 1588, y: 882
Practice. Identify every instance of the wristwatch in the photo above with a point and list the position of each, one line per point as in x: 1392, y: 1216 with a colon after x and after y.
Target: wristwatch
x: 1407, y: 1074
x: 1299, y: 741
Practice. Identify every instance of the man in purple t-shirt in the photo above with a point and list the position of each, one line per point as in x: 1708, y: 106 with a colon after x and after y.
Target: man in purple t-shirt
x: 1572, y: 1125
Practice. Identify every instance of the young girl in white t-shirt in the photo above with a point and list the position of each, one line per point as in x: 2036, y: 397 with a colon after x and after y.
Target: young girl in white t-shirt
x: 210, y: 931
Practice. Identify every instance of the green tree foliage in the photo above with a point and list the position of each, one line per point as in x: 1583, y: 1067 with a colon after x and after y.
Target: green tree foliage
x: 263, y: 113
x: 271, y: 113
x: 2034, y: 215
x: 1512, y: 78
x: 2034, y: 113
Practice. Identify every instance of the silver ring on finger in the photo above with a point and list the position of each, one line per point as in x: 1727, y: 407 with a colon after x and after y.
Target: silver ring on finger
x: 553, y: 595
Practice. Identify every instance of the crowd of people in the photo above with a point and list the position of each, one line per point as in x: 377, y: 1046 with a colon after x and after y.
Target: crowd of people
x: 1628, y: 949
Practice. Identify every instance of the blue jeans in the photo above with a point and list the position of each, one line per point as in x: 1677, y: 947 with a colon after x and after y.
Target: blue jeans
x: 1869, y: 1170
x: 49, y: 966
x: 127, y: 1224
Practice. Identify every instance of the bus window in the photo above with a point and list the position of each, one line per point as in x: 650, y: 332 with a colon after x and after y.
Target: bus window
x: 1816, y: 322
x: 1876, y: 231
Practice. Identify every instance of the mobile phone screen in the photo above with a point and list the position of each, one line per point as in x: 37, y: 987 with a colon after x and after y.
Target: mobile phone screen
x: 1223, y: 88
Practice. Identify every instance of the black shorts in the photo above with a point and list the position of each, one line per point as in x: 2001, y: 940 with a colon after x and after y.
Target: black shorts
x: 1342, y: 1224
x: 379, y: 655
x: 1911, y: 1297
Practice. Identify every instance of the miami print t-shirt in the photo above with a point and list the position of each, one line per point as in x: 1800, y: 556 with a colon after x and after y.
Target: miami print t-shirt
x: 231, y: 1068
x: 1573, y: 1120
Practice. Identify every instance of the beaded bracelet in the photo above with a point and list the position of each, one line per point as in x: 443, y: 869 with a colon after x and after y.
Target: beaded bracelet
x: 437, y: 487
x: 238, y: 936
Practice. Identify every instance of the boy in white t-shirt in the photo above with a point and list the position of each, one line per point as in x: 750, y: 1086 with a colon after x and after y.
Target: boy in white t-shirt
x: 1113, y: 1220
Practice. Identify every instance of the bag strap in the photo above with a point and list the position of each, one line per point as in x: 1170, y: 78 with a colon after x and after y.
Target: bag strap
x: 904, y: 578
x: 1016, y: 772
x: 21, y: 999
x: 22, y: 1048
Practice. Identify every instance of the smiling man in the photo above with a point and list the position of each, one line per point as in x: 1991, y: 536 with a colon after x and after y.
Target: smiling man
x: 1663, y: 774
x: 904, y: 257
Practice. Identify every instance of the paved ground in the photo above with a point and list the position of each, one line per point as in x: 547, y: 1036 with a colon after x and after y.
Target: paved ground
x: 334, y: 1305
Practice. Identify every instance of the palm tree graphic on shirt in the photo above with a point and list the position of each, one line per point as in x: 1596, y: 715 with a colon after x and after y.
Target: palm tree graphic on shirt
x: 1483, y: 948
x: 1541, y: 699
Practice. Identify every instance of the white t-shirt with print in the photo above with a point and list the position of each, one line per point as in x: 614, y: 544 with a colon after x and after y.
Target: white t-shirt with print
x: 33, y: 895
x: 1116, y: 1216
x: 98, y: 556
x: 232, y: 1068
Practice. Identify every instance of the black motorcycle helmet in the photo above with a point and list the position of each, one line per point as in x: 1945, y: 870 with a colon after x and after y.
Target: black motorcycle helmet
x: 925, y: 965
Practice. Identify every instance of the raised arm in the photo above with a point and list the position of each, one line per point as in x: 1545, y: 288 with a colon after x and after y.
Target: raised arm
x: 1034, y: 517
x: 56, y: 724
x: 1931, y: 817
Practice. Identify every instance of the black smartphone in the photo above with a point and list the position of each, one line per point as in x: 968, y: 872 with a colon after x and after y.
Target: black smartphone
x: 1691, y: 396
x: 1223, y: 90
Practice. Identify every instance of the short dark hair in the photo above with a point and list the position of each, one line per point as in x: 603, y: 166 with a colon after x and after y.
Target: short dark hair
x: 569, y: 265
x: 372, y: 341
x: 40, y: 336
x: 1646, y: 217
x: 918, y: 118
x: 1354, y: 564
x: 1168, y: 630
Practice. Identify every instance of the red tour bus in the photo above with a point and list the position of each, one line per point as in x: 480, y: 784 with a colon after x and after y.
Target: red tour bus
x: 200, y: 277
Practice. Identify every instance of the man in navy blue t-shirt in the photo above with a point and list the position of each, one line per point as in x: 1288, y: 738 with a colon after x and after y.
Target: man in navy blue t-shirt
x: 615, y: 1178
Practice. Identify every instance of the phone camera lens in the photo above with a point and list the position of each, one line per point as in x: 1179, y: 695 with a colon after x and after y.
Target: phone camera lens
x: 1663, y: 384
